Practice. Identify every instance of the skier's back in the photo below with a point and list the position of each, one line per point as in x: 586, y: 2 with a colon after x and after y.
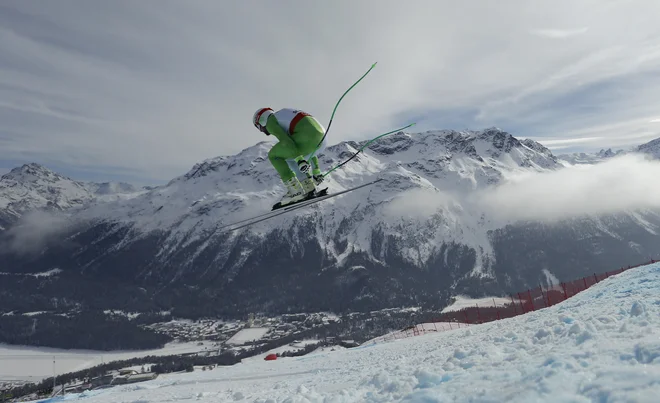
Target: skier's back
x: 299, y: 133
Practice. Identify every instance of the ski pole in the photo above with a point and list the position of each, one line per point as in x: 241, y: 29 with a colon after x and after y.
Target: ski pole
x: 334, y: 110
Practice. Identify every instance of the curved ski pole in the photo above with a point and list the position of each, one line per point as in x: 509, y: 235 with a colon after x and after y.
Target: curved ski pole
x: 334, y: 110
x: 365, y: 146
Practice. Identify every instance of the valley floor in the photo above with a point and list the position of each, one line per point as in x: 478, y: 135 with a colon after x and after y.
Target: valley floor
x: 602, y: 345
x: 33, y: 364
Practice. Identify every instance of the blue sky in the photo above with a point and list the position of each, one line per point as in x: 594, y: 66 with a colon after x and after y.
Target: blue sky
x: 142, y: 90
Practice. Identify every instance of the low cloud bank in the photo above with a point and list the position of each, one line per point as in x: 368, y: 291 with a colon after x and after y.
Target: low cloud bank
x: 33, y: 232
x: 625, y: 183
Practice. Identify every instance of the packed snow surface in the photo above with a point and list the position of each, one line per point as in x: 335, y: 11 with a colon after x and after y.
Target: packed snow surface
x: 602, y: 345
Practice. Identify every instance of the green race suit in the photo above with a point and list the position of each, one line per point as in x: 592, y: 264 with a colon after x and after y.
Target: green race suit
x: 303, y: 141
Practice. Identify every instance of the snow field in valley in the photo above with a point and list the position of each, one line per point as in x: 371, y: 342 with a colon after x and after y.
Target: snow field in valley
x: 26, y: 363
x: 248, y: 335
x: 602, y: 345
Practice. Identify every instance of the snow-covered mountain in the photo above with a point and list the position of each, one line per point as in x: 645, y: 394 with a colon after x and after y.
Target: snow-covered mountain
x: 651, y: 148
x: 405, y: 240
x: 35, y: 187
x: 589, y: 158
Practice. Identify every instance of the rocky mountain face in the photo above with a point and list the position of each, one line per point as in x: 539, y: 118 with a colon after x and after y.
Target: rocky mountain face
x: 414, y: 239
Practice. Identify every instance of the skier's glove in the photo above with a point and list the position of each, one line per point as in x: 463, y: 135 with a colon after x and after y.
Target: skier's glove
x: 303, y: 166
x: 318, y: 178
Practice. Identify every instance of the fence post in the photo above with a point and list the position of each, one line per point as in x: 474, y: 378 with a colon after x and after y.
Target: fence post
x: 584, y: 279
x: 529, y: 294
x: 596, y: 277
x: 543, y: 296
x: 522, y: 306
x: 515, y: 310
x: 497, y: 308
x: 563, y: 286
x: 467, y: 320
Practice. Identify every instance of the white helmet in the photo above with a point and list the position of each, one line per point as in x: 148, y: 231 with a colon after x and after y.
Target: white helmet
x: 261, y: 117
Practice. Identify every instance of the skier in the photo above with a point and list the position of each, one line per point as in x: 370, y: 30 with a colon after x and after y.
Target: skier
x: 299, y: 133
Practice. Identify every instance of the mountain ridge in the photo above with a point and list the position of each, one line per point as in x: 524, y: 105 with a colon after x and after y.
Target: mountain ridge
x: 404, y: 241
x: 651, y: 148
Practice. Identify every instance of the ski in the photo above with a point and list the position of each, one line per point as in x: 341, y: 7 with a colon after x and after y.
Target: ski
x: 309, y: 196
x: 267, y: 213
x: 296, y: 206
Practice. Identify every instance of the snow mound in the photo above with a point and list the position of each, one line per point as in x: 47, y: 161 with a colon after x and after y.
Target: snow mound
x: 601, y: 345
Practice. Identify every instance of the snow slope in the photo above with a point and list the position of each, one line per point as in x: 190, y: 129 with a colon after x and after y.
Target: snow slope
x: 600, y: 346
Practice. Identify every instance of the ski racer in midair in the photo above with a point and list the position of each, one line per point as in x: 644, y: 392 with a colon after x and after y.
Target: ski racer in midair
x: 299, y: 133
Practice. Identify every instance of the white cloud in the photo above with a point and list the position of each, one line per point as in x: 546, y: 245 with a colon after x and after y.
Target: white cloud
x: 557, y: 143
x: 34, y: 230
x: 617, y: 185
x: 156, y: 86
x: 559, y: 33
x: 621, y: 184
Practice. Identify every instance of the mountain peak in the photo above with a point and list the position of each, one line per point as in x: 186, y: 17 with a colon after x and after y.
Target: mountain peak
x: 30, y: 172
x: 34, y: 187
x: 608, y: 153
x: 652, y: 148
x: 255, y: 153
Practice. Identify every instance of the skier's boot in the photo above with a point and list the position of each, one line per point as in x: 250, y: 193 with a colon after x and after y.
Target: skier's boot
x: 314, y: 182
x: 294, y: 192
x: 309, y: 187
